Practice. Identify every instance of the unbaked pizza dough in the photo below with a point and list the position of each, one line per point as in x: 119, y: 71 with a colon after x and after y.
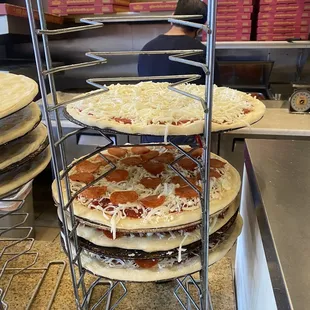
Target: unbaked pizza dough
x: 28, y: 171
x: 16, y: 91
x: 150, y: 242
x: 152, y: 109
x: 19, y: 123
x: 160, y: 223
x: 126, y: 272
x: 19, y: 150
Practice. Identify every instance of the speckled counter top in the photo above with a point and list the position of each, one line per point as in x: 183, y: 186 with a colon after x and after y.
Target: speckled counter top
x: 140, y: 296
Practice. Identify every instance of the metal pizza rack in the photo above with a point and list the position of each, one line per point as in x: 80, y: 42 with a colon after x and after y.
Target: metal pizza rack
x: 57, y: 143
x: 21, y: 248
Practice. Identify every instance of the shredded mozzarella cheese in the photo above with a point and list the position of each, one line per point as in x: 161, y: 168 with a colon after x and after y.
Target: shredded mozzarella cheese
x: 172, y: 203
x: 180, y: 250
x: 149, y: 103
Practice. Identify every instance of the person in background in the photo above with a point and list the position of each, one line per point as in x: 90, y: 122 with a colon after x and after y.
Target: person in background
x: 179, y: 37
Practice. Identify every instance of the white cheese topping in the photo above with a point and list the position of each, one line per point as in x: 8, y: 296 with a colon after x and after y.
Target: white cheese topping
x: 130, y: 264
x: 180, y: 250
x: 153, y: 103
x: 172, y: 203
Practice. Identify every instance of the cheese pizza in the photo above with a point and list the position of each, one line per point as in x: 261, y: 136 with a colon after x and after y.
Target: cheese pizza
x: 143, y: 193
x: 152, y: 109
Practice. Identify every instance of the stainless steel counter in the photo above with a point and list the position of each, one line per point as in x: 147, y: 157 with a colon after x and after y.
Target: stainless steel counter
x: 278, y: 173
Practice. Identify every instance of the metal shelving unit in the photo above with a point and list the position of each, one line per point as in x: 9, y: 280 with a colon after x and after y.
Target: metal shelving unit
x: 61, y: 167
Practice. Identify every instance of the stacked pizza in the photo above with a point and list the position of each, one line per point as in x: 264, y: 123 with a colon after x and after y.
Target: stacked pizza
x: 139, y: 220
x: 152, y: 109
x: 23, y: 138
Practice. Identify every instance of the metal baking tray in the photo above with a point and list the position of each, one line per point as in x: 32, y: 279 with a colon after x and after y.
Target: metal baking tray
x: 31, y: 156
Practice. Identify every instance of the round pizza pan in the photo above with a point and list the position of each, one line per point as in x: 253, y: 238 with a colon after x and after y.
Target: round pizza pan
x: 31, y: 156
x: 23, y: 135
x: 233, y: 129
x: 26, y: 105
x: 134, y: 254
x: 215, y: 238
x: 111, y: 278
x: 143, y: 231
x: 219, y: 251
x: 32, y: 172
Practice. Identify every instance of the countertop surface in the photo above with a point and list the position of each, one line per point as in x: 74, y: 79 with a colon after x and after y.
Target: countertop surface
x: 279, y: 174
x: 278, y: 121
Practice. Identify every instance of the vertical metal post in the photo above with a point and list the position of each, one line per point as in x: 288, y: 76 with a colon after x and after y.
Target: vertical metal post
x: 51, y: 80
x: 48, y: 60
x: 210, y: 57
x: 56, y: 169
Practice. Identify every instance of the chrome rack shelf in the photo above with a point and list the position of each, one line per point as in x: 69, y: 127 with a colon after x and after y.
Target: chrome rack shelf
x: 57, y: 139
x: 13, y: 249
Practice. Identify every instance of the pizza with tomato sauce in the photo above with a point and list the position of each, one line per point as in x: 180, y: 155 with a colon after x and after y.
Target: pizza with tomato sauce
x: 138, y: 267
x: 152, y: 242
x: 142, y: 193
x: 152, y: 109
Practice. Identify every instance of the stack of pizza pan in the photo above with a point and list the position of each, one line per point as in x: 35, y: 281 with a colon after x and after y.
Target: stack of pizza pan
x: 23, y: 138
x: 139, y: 220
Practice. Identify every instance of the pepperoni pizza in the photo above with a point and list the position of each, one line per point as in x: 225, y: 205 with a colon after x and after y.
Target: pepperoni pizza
x: 158, y: 266
x: 151, y: 108
x: 143, y: 193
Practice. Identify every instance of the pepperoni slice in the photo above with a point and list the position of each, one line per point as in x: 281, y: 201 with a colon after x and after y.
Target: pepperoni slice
x: 214, y: 174
x: 178, y: 180
x: 104, y: 162
x: 82, y: 177
x: 139, y: 150
x: 110, y: 235
x: 187, y: 164
x: 165, y: 158
x: 103, y: 203
x: 150, y: 155
x: 134, y: 213
x: 117, y: 175
x: 117, y: 151
x: 123, y: 197
x: 186, y: 192
x: 95, y: 192
x: 132, y: 161
x: 154, y: 168
x: 87, y: 166
x: 215, y: 163
x: 122, y: 120
x: 150, y: 182
x: 153, y: 201
x: 181, y: 182
x: 197, y: 153
x: 146, y: 263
